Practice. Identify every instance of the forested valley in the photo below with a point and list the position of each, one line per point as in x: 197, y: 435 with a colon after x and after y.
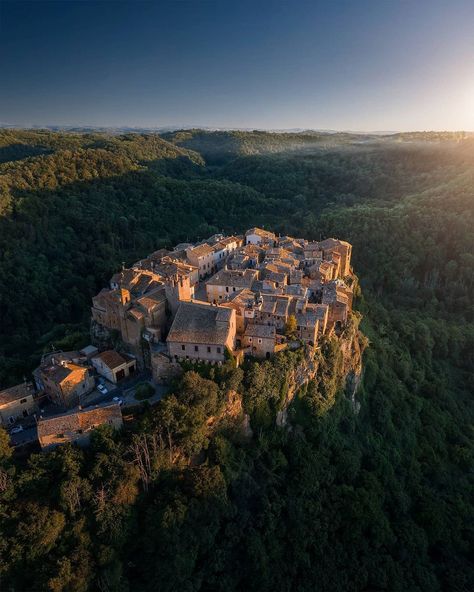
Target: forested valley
x: 379, y: 499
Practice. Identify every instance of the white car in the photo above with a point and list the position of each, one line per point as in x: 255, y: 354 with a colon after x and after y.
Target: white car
x: 16, y: 430
x: 102, y: 389
x: 117, y: 400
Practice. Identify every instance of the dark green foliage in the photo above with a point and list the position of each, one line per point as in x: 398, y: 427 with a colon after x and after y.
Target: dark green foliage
x: 144, y: 391
x: 379, y: 500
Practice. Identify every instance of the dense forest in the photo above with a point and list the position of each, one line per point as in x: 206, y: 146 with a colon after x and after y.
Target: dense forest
x: 378, y: 499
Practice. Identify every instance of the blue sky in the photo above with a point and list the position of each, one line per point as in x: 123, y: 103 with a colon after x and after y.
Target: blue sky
x: 349, y: 65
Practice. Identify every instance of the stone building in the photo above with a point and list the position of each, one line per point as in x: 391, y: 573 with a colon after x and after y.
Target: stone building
x: 258, y: 236
x: 259, y: 340
x: 17, y: 402
x: 109, y: 307
x: 202, y: 332
x: 114, y: 366
x: 63, y: 380
x: 223, y: 248
x: 307, y: 327
x: 144, y: 318
x: 76, y: 427
x: 343, y: 248
x: 244, y: 304
x: 275, y: 310
x: 202, y: 256
x: 338, y: 297
x: 225, y: 283
x: 262, y: 282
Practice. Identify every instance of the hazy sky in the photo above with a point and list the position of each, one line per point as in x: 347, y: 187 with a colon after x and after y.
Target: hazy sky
x: 354, y: 65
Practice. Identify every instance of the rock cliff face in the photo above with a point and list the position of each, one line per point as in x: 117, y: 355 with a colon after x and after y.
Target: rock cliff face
x: 352, y: 349
x: 343, y: 372
x: 232, y: 415
x: 296, y: 379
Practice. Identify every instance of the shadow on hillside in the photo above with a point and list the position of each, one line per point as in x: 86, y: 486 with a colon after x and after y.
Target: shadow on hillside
x: 61, y: 246
x: 14, y: 152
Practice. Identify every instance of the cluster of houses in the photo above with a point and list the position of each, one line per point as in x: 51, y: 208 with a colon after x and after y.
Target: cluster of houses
x: 63, y: 381
x: 237, y: 294
x: 254, y: 295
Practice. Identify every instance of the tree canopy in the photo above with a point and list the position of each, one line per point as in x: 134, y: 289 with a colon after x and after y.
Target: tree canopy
x: 373, y: 496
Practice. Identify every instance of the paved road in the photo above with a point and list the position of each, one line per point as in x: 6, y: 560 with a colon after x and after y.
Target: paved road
x: 124, y: 391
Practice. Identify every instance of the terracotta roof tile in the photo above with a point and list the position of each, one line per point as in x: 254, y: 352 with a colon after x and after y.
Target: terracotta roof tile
x: 200, y: 323
x: 14, y: 393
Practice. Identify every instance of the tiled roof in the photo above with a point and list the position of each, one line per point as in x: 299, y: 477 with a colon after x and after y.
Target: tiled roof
x: 58, y: 373
x: 295, y: 290
x: 112, y: 358
x: 261, y: 232
x: 169, y: 267
x: 244, y: 298
x: 201, y: 250
x: 329, y: 243
x: 153, y: 299
x: 312, y: 246
x: 307, y: 319
x: 124, y: 277
x: 84, y: 420
x: 143, y: 283
x: 276, y: 276
x: 335, y: 292
x: 321, y: 310
x: 200, y: 323
x: 135, y: 313
x: 158, y: 255
x: 252, y: 250
x: 233, y: 277
x: 281, y: 308
x: 255, y: 330
x: 14, y: 393
x: 228, y: 240
x: 106, y: 295
x: 89, y: 350
x: 277, y: 305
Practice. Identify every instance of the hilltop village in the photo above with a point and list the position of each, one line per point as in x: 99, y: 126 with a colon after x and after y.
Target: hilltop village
x: 244, y: 295
x: 225, y: 297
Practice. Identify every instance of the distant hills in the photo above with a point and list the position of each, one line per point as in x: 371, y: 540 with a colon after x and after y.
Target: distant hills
x: 180, y: 127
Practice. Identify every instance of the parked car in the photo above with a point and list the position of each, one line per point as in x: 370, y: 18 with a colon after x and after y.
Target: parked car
x: 117, y: 400
x: 103, y: 389
x: 16, y: 429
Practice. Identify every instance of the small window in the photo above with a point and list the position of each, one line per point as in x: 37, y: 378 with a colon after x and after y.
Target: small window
x: 183, y: 347
x: 196, y: 348
x: 233, y: 289
x: 218, y: 350
x: 23, y: 401
x: 208, y: 350
x: 250, y: 340
x: 260, y: 341
x: 227, y: 288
